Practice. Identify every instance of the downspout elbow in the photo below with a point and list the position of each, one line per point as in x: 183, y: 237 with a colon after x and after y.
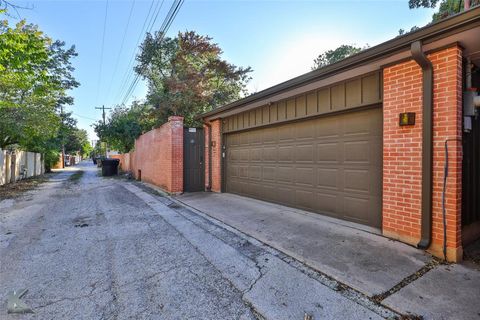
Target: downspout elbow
x: 427, y: 143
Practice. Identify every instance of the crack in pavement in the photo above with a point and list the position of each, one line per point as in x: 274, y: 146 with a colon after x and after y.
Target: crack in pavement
x: 209, y: 227
x: 345, y: 290
x: 407, y: 280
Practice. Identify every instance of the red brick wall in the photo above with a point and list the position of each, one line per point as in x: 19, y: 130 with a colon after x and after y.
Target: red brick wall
x: 159, y: 155
x: 216, y: 183
x: 402, y: 151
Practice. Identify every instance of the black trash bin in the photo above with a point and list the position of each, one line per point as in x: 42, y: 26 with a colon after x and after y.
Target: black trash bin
x: 110, y: 167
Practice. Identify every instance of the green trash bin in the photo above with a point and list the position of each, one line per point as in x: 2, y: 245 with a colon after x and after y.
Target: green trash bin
x: 110, y: 167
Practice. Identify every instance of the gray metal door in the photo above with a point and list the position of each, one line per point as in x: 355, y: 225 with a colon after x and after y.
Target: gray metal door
x: 193, y: 162
x: 331, y: 165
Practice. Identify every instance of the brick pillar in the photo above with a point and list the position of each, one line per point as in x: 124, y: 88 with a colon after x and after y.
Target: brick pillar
x: 176, y: 127
x: 206, y: 154
x: 402, y: 151
x: 216, y: 183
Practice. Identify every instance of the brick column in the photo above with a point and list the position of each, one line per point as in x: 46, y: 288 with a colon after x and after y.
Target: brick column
x: 402, y: 151
x: 216, y: 183
x: 206, y: 154
x: 176, y: 126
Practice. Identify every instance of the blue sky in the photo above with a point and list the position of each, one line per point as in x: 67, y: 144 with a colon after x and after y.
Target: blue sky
x: 278, y: 39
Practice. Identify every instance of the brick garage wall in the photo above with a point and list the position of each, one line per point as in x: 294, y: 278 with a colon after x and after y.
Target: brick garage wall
x: 402, y: 151
x: 159, y: 156
x: 216, y: 184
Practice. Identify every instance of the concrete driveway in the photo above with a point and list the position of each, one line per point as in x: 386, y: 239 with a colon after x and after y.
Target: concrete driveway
x: 88, y: 247
x: 400, y: 276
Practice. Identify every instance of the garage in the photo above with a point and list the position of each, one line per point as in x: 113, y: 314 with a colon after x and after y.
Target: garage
x: 330, y: 165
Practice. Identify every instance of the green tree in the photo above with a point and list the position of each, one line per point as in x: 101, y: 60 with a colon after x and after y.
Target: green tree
x: 124, y: 125
x: 332, y: 56
x: 187, y: 76
x: 35, y: 76
x: 446, y: 8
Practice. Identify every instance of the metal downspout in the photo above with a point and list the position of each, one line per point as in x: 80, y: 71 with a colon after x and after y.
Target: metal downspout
x: 427, y: 142
x: 209, y: 188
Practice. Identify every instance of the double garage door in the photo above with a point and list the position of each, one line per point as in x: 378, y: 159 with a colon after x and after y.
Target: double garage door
x: 330, y: 165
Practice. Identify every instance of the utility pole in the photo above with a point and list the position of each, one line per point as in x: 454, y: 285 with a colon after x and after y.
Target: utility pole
x: 103, y: 112
x: 103, y: 116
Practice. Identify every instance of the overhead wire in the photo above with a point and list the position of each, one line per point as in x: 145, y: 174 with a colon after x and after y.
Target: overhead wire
x: 102, y: 50
x: 127, y: 75
x: 121, y: 48
x: 150, y: 25
x: 79, y: 115
x: 167, y: 22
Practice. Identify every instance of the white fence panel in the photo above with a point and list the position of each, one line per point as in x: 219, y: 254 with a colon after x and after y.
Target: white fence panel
x: 3, y: 167
x: 26, y: 165
x: 30, y: 160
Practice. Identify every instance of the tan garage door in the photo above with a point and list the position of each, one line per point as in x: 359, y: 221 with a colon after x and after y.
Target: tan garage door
x: 330, y: 165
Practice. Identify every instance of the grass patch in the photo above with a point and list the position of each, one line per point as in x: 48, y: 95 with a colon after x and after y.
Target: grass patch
x: 76, y: 176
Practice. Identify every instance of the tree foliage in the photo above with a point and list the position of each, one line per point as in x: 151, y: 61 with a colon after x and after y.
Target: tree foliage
x: 71, y: 137
x: 332, y: 56
x: 447, y: 7
x: 125, y: 125
x: 187, y: 76
x: 35, y: 76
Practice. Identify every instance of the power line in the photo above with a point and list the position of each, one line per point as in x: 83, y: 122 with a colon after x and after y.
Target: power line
x: 102, y: 48
x: 167, y: 22
x: 121, y: 48
x: 126, y: 74
x: 79, y: 115
x: 150, y: 24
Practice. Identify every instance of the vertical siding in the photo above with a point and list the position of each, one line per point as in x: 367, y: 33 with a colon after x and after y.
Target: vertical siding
x: 352, y: 93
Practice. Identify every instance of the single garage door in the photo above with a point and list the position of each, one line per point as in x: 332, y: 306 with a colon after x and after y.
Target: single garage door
x: 330, y: 165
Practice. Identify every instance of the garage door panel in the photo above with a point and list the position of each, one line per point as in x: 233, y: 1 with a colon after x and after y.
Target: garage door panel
x: 330, y: 165
x: 270, y: 135
x: 232, y: 171
x: 269, y: 193
x: 242, y: 171
x: 327, y: 152
x: 305, y: 198
x: 305, y: 176
x: 326, y: 203
x: 329, y: 129
x: 327, y: 178
x: 306, y: 132
x: 376, y: 144
x: 285, y: 195
x: 255, y: 173
x: 361, y: 208
x: 286, y: 133
x: 269, y: 154
x: 304, y: 153
x: 286, y: 154
x: 356, y: 151
x: 285, y: 174
x: 357, y: 125
x: 255, y: 139
x: 269, y: 174
x: 356, y: 181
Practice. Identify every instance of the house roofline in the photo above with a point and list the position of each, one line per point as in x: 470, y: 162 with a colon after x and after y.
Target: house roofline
x: 427, y: 34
